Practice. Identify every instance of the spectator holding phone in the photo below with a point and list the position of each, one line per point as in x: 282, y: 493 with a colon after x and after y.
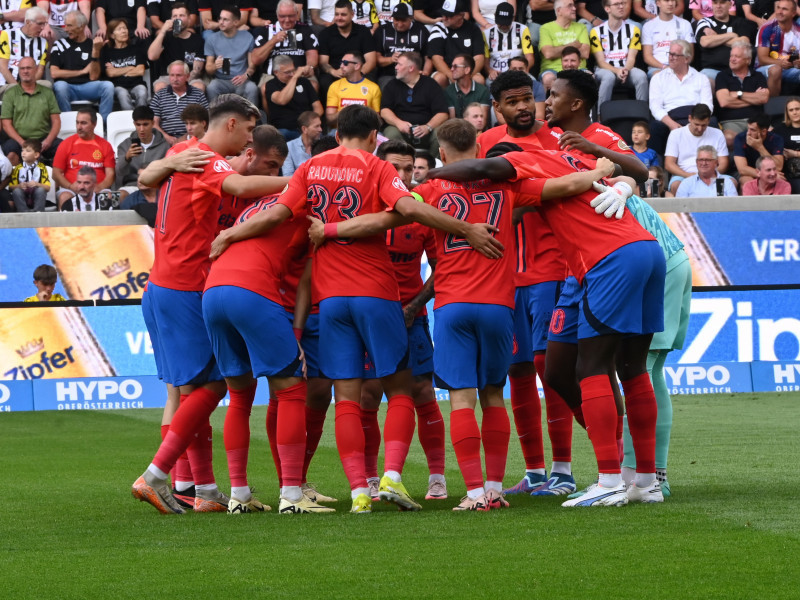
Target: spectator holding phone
x: 145, y: 145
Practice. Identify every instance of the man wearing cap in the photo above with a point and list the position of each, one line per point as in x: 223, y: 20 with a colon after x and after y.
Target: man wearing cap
x: 455, y: 35
x: 506, y: 40
x: 401, y: 34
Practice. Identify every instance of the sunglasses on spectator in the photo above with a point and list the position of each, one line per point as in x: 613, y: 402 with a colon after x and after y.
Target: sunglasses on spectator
x: 349, y: 62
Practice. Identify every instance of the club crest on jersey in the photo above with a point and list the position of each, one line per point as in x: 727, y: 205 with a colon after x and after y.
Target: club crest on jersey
x: 222, y: 166
x: 398, y: 183
x: 622, y: 145
x: 414, y: 39
x: 364, y: 90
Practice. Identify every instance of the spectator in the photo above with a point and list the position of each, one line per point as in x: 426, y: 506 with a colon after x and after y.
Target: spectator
x: 768, y: 181
x: 25, y: 41
x: 13, y: 12
x: 195, y: 118
x: 778, y: 43
x: 83, y: 149
x: 75, y: 68
x: 365, y: 13
x: 640, y: 135
x: 168, y: 103
x: 707, y: 181
x: 656, y: 177
x: 756, y: 11
x: 423, y: 162
x: 286, y: 37
x: 289, y: 94
x: 702, y: 9
x: 556, y: 36
x: 741, y: 91
x: 716, y: 35
x: 464, y: 90
x: 133, y: 12
x: 592, y: 14
x: 615, y: 45
x: 160, y: 11
x: 45, y: 278
x: 176, y: 40
x: 300, y: 148
x: 505, y: 40
x: 413, y: 105
x: 57, y: 10
x: 211, y: 11
x: 789, y: 130
x: 134, y: 153
x: 30, y: 112
x: 756, y: 141
x: 340, y: 38
x: 84, y: 198
x: 484, y: 12
x: 476, y: 114
x: 684, y: 142
x: 386, y: 10
x: 229, y: 60
x: 402, y: 34
x: 539, y: 12
x: 428, y: 12
x: 142, y: 195
x: 124, y: 65
x: 29, y: 180
x: 266, y: 12
x: 321, y: 13
x: 352, y: 88
x: 519, y: 63
x: 658, y: 35
x: 455, y: 35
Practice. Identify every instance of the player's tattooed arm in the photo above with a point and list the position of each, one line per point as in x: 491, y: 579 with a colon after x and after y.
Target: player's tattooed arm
x: 630, y: 164
x: 189, y: 161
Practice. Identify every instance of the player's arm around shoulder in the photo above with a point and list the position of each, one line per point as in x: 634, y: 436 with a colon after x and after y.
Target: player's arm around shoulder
x: 362, y: 226
x: 192, y: 160
x: 256, y: 225
x: 578, y: 182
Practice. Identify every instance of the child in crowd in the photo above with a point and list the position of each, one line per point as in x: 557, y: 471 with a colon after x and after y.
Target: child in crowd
x: 29, y: 180
x: 44, y: 278
x: 640, y: 134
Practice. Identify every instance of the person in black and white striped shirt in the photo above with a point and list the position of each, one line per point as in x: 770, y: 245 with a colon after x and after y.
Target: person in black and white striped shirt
x: 24, y: 41
x: 505, y: 40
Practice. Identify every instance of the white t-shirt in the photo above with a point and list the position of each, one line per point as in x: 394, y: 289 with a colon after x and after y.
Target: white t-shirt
x: 325, y: 7
x: 683, y: 146
x: 660, y: 34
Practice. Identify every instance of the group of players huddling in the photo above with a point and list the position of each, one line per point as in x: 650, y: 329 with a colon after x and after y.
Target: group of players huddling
x: 539, y: 267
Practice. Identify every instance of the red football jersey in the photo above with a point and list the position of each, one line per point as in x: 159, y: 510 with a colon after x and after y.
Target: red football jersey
x: 75, y: 152
x: 584, y: 236
x: 338, y: 185
x: 297, y: 255
x: 187, y: 216
x: 463, y: 274
x: 406, y: 245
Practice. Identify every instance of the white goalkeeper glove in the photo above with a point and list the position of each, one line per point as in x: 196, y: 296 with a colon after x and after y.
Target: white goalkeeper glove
x: 611, y: 200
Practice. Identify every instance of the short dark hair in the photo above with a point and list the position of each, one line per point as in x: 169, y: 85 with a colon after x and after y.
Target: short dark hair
x: 47, y: 274
x: 357, y: 121
x: 357, y: 55
x: 763, y: 121
x: 88, y: 111
x: 510, y: 80
x: 34, y: 145
x: 395, y: 147
x: 227, y: 104
x: 414, y: 57
x: 467, y: 59
x: 643, y: 124
x: 266, y: 138
x: 427, y: 157
x: 458, y: 134
x: 323, y: 144
x: 234, y: 10
x: 701, y: 112
x: 143, y: 113
x: 306, y: 118
x: 582, y: 85
x: 195, y: 112
x: 343, y: 4
x: 519, y: 58
x: 570, y: 50
x: 502, y: 148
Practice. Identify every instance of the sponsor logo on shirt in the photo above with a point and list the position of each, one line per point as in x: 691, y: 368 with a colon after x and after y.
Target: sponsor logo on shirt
x: 398, y: 184
x: 222, y: 166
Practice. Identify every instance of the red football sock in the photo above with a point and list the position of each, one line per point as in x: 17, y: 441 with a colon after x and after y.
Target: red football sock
x: 372, y: 441
x: 201, y: 454
x: 559, y: 417
x: 397, y: 432
x: 430, y: 429
x: 577, y: 412
x: 164, y: 430
x: 182, y: 470
x: 527, y: 410
x: 292, y: 432
x: 466, y: 439
x: 620, y: 443
x: 236, y: 433
x: 600, y: 412
x: 640, y: 402
x: 190, y: 416
x: 495, y: 433
x: 315, y: 420
x: 350, y: 442
x: 272, y: 435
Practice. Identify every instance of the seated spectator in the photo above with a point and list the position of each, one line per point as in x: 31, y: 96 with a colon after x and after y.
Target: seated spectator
x: 352, y: 88
x: 14, y: 13
x: 160, y: 11
x: 768, y: 182
x: 75, y: 68
x: 505, y: 40
x: 124, y: 65
x: 195, y: 118
x: 702, y: 9
x: 464, y: 90
x: 455, y: 35
x: 476, y: 114
x: 615, y: 44
x: 645, y: 10
x: 340, y: 38
x: 288, y: 95
x: 757, y: 141
x: 211, y: 11
x: 300, y: 148
x: 519, y: 63
x: 29, y: 179
x: 707, y: 182
x: 176, y: 40
x: 484, y: 13
x: 57, y: 10
x: 538, y: 12
x: 778, y: 42
x: 229, y: 60
x: 656, y: 184
x: 401, y: 34
x: 265, y: 12
x: 321, y: 13
x: 84, y: 198
x: 555, y: 36
x: 365, y: 13
x: 684, y: 142
x: 169, y: 102
x: 45, y: 278
x: 716, y: 35
x: 134, y: 153
x: 789, y: 130
x: 423, y: 162
x: 83, y: 149
x: 741, y: 91
x: 25, y: 41
x: 30, y: 112
x: 640, y: 135
x: 413, y: 105
x: 659, y: 33
x: 133, y: 12
x: 386, y: 10
x: 756, y: 11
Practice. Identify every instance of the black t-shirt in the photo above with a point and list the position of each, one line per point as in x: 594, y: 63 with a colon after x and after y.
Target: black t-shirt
x: 431, y: 8
x: 388, y: 41
x: 726, y: 80
x: 217, y: 5
x: 176, y: 48
x: 121, y: 9
x: 334, y: 45
x: 129, y: 56
x: 790, y: 135
x: 449, y: 43
x: 267, y: 9
x: 717, y: 57
x: 72, y: 56
x: 416, y: 105
x: 596, y: 8
x: 759, y: 8
x: 304, y: 40
x: 545, y: 16
x: 163, y: 8
x: 285, y: 116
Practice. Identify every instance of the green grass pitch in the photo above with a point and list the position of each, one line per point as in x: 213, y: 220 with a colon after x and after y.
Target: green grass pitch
x: 69, y: 527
